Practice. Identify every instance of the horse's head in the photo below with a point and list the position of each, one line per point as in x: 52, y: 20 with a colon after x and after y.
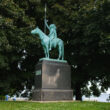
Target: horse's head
x: 35, y: 31
x: 39, y: 32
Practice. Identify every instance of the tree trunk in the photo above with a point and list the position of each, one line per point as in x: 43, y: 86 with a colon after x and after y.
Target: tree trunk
x: 78, y: 92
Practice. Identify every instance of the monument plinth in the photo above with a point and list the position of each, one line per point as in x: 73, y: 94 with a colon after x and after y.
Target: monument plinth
x: 52, y: 81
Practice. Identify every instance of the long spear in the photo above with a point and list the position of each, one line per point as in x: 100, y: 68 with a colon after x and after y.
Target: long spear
x: 45, y: 18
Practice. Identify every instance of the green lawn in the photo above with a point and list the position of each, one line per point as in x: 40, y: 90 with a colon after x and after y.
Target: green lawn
x: 54, y: 106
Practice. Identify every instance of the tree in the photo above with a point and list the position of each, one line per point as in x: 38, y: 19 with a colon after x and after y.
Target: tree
x: 15, y: 45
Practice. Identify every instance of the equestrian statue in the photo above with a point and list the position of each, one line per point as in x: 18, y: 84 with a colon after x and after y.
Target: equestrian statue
x: 50, y: 41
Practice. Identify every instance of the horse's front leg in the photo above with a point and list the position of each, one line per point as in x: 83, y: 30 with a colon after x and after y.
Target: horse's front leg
x: 47, y: 51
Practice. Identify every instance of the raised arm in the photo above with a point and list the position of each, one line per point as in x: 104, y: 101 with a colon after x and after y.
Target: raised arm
x: 47, y: 24
x: 55, y: 34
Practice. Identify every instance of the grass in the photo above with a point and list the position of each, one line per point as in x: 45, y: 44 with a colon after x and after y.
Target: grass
x: 54, y: 106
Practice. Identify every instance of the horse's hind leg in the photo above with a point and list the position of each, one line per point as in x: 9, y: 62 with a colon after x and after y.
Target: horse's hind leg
x: 59, y: 49
x: 62, y: 57
x: 62, y: 54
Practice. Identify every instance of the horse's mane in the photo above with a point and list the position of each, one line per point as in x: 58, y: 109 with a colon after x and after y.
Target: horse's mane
x: 43, y: 34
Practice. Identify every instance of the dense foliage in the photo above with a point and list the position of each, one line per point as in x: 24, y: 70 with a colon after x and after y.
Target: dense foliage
x: 84, y: 25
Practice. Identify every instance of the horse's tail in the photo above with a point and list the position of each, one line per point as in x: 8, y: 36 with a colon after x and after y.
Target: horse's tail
x: 62, y: 50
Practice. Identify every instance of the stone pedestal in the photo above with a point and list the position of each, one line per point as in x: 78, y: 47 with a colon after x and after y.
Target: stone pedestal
x: 52, y: 81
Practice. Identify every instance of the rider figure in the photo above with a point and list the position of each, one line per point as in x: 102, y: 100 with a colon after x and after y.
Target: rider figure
x: 52, y: 33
